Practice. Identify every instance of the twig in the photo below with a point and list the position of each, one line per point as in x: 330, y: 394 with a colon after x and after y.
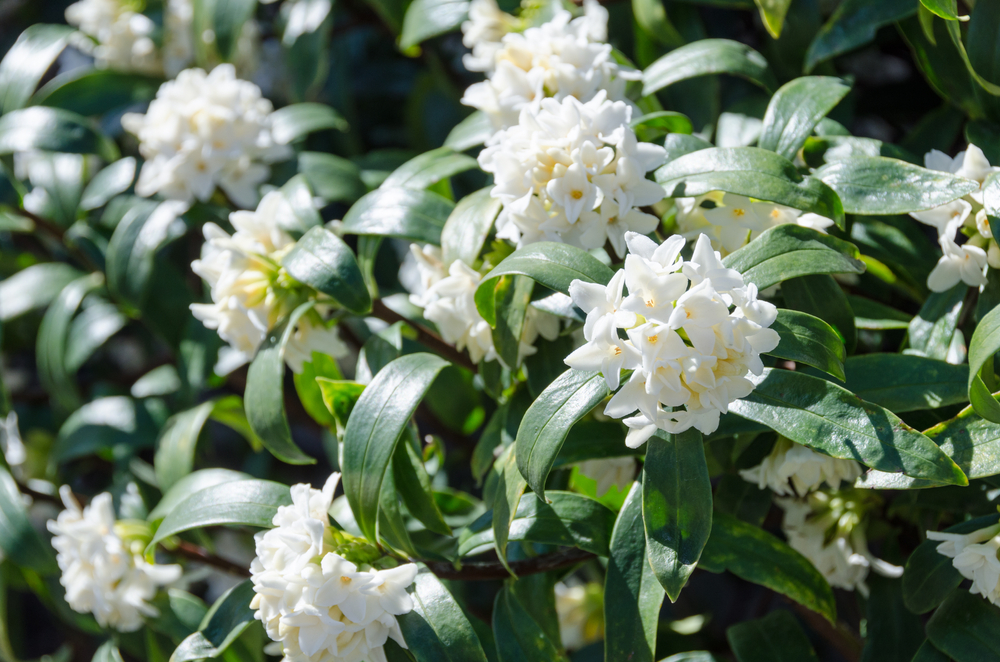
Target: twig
x: 44, y: 223
x: 195, y: 553
x: 425, y: 336
x: 493, y: 570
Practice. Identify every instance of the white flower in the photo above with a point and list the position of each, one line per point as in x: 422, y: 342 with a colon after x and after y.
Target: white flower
x: 608, y: 472
x: 963, y: 263
x: 448, y: 300
x: 574, y: 173
x: 102, y: 573
x: 975, y: 557
x: 318, y: 605
x: 579, y: 609
x: 790, y: 465
x: 695, y: 332
x: 11, y: 444
x: 178, y: 37
x: 561, y: 58
x: 202, y: 131
x: 124, y: 37
x: 844, y: 560
x: 482, y: 33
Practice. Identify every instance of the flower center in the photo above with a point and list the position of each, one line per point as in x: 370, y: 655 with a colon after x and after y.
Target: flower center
x: 576, y: 195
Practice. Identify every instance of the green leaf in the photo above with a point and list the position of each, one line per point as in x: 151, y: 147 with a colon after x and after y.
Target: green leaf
x: 519, y: 638
x: 223, y: 624
x: 549, y: 264
x: 333, y: 178
x: 772, y: 13
x: 468, y: 225
x: 509, y: 489
x: 322, y: 260
x: 810, y: 340
x: 429, y: 18
x: 775, y: 638
x: 946, y: 9
x: 437, y: 630
x: 265, y: 400
x: 51, y: 130
x: 929, y: 576
x: 378, y: 419
x: 788, y: 251
x: 749, y: 171
x: 632, y: 595
x: 18, y: 539
x: 931, y: 331
x: 188, y: 485
x: 820, y: 295
x: 973, y: 442
x: 298, y: 120
x: 550, y: 418
x: 901, y: 382
x: 928, y: 653
x: 406, y: 213
x: 304, y: 215
x: 873, y: 185
x: 740, y: 498
x: 854, y: 24
x: 985, y: 343
x: 33, y: 288
x: 676, y: 507
x: 239, y: 502
x: 322, y: 366
x: 512, y: 294
x: 707, y: 56
x: 414, y: 486
x: 340, y: 396
x: 876, y: 316
x: 109, y: 182
x: 131, y: 256
x: 692, y: 656
x: 980, y: 56
x: 796, y: 109
x: 893, y: 633
x: 26, y: 62
x: 429, y: 168
x: 963, y: 627
x: 835, y: 422
x: 651, y: 126
x: 226, y: 19
x: 472, y: 131
x: 91, y: 92
x: 115, y: 426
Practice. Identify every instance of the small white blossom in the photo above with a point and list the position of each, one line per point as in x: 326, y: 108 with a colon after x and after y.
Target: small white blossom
x: 123, y: 36
x: 975, y: 557
x: 695, y: 332
x: 483, y: 32
x: 790, y: 465
x: 580, y: 610
x: 574, y: 173
x: 11, y: 444
x: 608, y: 472
x: 202, y: 131
x: 958, y: 264
x: 101, y: 572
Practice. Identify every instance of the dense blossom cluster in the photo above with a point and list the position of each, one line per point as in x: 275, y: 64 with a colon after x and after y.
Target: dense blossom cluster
x: 447, y: 296
x: 123, y: 36
x: 575, y: 173
x: 732, y: 221
x: 563, y: 58
x: 694, y: 329
x: 976, y: 556
x: 969, y: 261
x: 202, y: 131
x: 319, y: 605
x: 791, y: 469
x: 103, y: 572
x: 251, y: 292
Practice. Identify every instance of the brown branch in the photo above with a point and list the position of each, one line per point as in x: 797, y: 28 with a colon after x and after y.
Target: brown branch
x: 425, y: 336
x: 47, y: 225
x: 195, y: 553
x: 493, y: 570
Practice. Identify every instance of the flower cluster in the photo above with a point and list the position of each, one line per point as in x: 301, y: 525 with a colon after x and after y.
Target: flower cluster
x: 124, y: 37
x: 967, y: 262
x: 447, y: 296
x: 976, y: 556
x: 251, y: 292
x: 735, y: 220
x: 573, y: 172
x: 202, y: 131
x: 828, y: 530
x: 321, y: 606
x: 103, y: 571
x: 694, y: 332
x: 792, y: 469
x: 563, y: 58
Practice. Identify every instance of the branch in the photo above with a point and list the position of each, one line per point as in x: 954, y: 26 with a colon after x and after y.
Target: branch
x: 43, y: 223
x: 492, y: 570
x: 425, y: 336
x: 195, y: 553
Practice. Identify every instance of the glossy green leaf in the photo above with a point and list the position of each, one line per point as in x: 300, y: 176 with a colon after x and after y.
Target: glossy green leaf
x: 835, y: 422
x: 115, y: 426
x: 511, y: 297
x: 109, y: 182
x: 223, y: 624
x: 893, y: 633
x: 333, y: 178
x: 265, y: 401
x: 413, y: 214
x: 519, y: 637
x: 676, y: 507
x: 51, y: 130
x: 931, y: 331
x: 414, y: 486
x: 854, y: 24
x: 692, y: 656
x: 468, y: 225
x: 429, y: 18
x: 796, y: 109
x: 507, y: 497
x: 429, y: 168
x: 704, y: 57
x: 322, y: 260
x: 340, y: 396
x: 26, y: 62
x: 876, y: 316
x: 33, y: 288
x: 94, y: 326
x: 550, y: 418
x: 749, y: 171
x: 549, y: 264
x: 963, y: 627
x: 973, y: 442
x: 772, y: 14
x: 437, y: 630
x: 240, y: 502
x: 651, y: 126
x: 947, y: 9
x: 632, y: 595
x: 131, y: 256
x: 788, y: 251
x: 775, y: 638
x: 298, y: 120
x: 92, y: 92
x: 901, y: 382
x: 226, y: 19
x: 18, y: 539
x: 980, y: 55
x: 810, y: 340
x: 652, y: 17
x: 985, y: 343
x: 188, y: 485
x: 928, y: 653
x: 472, y: 131
x: 378, y: 419
x: 821, y: 296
